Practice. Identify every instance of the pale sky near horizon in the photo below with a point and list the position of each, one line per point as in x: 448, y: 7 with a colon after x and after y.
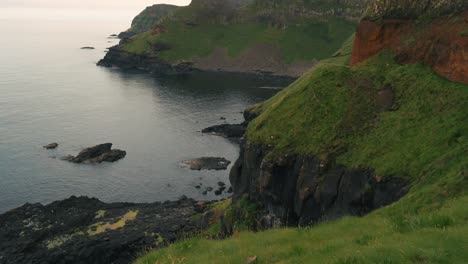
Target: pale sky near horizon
x: 95, y: 10
x: 87, y: 4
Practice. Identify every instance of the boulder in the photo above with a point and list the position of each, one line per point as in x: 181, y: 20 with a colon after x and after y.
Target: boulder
x: 97, y: 154
x: 51, y: 146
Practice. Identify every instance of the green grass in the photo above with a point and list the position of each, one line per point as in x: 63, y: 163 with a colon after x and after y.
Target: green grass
x: 303, y: 42
x: 333, y: 112
x: 438, y: 237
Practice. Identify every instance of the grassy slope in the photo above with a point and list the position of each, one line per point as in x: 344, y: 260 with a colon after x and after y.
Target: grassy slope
x: 306, y: 41
x: 326, y: 112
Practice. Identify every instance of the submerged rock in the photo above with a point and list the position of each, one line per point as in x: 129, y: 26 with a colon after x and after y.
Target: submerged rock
x: 87, y: 48
x: 51, y: 146
x: 206, y: 163
x: 86, y: 230
x: 97, y: 154
x: 227, y: 130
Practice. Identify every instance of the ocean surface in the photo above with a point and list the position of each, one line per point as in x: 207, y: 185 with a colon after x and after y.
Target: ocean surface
x: 52, y: 91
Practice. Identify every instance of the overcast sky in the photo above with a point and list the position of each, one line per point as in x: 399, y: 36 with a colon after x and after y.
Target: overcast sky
x: 69, y: 10
x: 87, y: 4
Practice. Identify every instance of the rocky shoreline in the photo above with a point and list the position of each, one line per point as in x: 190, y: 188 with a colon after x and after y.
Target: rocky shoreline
x: 86, y: 230
x: 117, y: 57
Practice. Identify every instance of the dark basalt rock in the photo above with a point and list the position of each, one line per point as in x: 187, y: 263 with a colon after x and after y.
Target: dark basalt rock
x: 97, y: 154
x: 206, y: 163
x: 227, y: 130
x: 86, y: 230
x: 302, y: 190
x: 116, y: 56
x: 51, y: 146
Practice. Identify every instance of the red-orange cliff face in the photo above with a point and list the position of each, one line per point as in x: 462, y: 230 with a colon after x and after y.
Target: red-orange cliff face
x: 441, y: 44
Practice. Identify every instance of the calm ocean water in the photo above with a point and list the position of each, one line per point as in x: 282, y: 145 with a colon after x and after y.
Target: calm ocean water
x: 51, y: 91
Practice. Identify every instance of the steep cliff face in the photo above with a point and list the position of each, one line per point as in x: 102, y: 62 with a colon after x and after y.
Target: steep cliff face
x: 303, y: 189
x: 433, y: 32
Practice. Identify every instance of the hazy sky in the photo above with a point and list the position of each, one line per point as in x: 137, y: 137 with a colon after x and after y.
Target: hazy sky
x: 87, y: 4
x: 72, y: 10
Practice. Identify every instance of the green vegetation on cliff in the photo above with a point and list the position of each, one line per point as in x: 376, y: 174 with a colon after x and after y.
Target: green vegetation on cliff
x: 403, y: 121
x: 290, y: 31
x: 304, y: 42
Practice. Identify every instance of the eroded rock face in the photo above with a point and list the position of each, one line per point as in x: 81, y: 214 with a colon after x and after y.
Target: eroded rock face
x: 86, y: 230
x: 441, y: 43
x: 98, y: 154
x: 302, y: 190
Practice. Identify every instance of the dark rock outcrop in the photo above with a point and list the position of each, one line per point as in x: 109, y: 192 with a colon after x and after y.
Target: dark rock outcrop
x: 116, y: 56
x: 227, y: 130
x: 98, y: 154
x: 86, y: 230
x: 51, y: 146
x: 206, y: 163
x: 302, y: 190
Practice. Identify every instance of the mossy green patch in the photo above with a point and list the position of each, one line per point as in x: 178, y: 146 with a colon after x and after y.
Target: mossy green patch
x: 102, y: 227
x: 100, y: 214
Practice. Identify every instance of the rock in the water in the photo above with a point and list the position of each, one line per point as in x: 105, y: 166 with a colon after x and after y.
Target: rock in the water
x: 227, y: 130
x: 221, y: 184
x: 218, y: 192
x: 87, y: 48
x: 51, y: 146
x: 97, y: 154
x: 86, y: 230
x: 206, y: 163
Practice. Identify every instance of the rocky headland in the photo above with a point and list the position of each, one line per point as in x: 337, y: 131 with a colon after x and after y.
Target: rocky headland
x: 272, y: 43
